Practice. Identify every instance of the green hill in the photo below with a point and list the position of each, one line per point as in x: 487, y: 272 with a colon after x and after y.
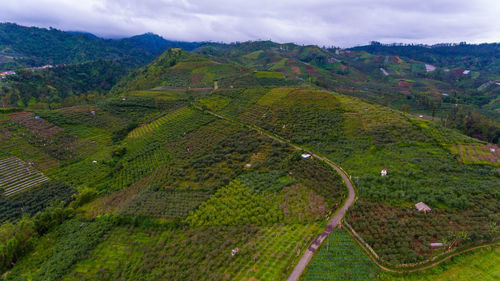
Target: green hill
x: 22, y: 46
x: 171, y: 176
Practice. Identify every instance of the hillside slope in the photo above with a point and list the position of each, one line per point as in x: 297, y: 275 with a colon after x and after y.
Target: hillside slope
x: 31, y: 46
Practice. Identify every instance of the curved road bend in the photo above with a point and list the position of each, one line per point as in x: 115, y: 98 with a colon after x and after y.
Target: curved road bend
x: 334, y: 221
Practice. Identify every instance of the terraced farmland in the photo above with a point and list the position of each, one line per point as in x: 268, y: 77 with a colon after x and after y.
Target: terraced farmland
x: 142, y: 130
x: 16, y: 176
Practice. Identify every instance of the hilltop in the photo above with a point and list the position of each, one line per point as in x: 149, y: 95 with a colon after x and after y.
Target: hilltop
x: 221, y: 164
x: 22, y: 46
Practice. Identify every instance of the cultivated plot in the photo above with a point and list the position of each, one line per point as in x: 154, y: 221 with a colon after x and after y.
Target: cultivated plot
x: 16, y: 176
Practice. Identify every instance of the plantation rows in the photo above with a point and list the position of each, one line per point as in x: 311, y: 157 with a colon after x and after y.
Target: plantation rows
x: 403, y: 235
x: 34, y: 200
x: 196, y: 253
x: 340, y: 258
x: 164, y: 203
x: 142, y: 130
x: 52, y: 260
x: 271, y: 255
x: 139, y: 165
x: 236, y: 204
x: 14, y: 143
x: 16, y: 176
x: 477, y: 154
x: 36, y: 125
x: 89, y: 115
x: 147, y: 153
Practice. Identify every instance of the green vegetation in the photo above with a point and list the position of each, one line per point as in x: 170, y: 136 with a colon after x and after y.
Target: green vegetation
x: 340, y: 258
x: 236, y: 204
x: 146, y: 184
x: 478, y: 265
x: 364, y: 138
x: 34, y: 200
x: 195, y: 253
x: 32, y: 46
x: 164, y: 203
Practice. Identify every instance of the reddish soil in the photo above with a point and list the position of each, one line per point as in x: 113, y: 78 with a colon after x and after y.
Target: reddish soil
x: 296, y: 70
x: 310, y: 69
x: 404, y: 84
x: 276, y: 59
x: 196, y: 78
x: 38, y: 126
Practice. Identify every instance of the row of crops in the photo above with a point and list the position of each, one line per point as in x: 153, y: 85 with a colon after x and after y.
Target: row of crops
x: 142, y: 130
x: 340, y: 258
x: 16, y: 176
x: 196, y: 253
x: 164, y: 203
x: 477, y: 154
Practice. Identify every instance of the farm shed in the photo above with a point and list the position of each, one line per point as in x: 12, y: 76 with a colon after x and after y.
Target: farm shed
x: 306, y: 155
x: 383, y: 172
x: 422, y: 207
x: 436, y: 245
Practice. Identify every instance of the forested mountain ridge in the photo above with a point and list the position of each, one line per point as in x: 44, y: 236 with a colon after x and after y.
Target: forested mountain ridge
x: 22, y: 46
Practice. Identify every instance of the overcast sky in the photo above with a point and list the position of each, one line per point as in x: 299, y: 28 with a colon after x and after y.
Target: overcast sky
x: 322, y: 22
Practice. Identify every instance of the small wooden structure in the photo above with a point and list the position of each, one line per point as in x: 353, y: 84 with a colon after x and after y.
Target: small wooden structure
x: 436, y: 245
x: 235, y: 251
x: 306, y: 155
x: 422, y: 207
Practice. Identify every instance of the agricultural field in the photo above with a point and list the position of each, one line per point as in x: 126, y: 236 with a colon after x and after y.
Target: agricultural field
x: 364, y: 138
x: 340, y: 258
x: 34, y: 200
x: 35, y: 124
x: 477, y: 154
x: 196, y: 253
x: 147, y: 184
x: 478, y: 265
x: 164, y: 203
x: 17, y: 176
x: 149, y: 127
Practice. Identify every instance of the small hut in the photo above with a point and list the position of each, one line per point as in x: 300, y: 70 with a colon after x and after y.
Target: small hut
x: 306, y: 155
x: 436, y: 245
x: 422, y: 207
x: 383, y: 172
x: 235, y: 251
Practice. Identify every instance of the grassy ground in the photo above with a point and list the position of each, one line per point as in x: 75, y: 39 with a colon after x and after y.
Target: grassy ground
x: 483, y: 264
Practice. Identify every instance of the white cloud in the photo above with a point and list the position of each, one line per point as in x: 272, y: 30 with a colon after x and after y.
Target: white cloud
x: 322, y: 22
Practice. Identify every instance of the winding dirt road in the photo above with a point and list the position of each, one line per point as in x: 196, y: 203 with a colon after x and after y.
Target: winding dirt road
x: 334, y: 222
x: 336, y: 219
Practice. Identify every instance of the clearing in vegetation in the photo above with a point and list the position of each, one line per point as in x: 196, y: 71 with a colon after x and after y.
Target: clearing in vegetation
x: 16, y: 176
